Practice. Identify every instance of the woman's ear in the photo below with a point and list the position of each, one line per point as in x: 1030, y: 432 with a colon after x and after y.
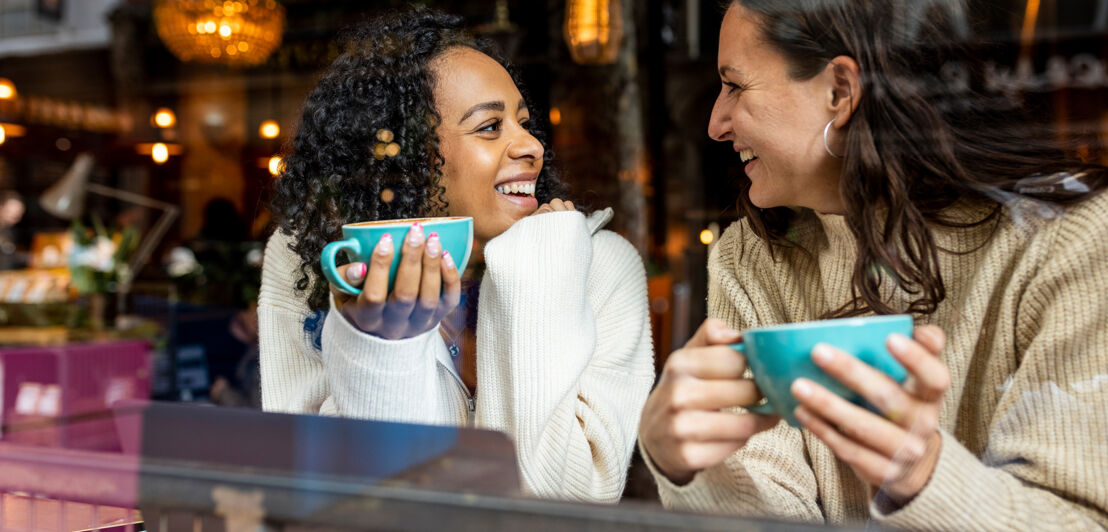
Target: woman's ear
x: 846, y: 88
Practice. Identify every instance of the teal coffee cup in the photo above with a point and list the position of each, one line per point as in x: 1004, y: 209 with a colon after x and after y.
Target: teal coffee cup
x: 359, y: 239
x: 780, y: 354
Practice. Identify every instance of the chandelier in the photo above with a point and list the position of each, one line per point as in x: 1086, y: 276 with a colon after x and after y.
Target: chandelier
x: 238, y: 33
x: 593, y: 30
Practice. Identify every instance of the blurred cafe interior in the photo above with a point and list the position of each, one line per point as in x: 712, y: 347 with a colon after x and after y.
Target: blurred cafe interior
x: 140, y: 144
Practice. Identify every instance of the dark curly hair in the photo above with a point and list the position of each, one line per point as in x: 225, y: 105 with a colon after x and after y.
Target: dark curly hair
x: 381, y: 80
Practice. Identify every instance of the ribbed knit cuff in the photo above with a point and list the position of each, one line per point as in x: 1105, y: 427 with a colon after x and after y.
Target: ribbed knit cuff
x: 687, y: 496
x: 957, y: 497
x: 347, y: 345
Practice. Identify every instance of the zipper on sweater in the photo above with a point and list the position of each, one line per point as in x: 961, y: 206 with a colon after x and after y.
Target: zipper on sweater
x: 471, y: 398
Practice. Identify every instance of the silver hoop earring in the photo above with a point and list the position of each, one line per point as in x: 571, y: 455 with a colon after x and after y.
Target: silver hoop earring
x: 827, y: 146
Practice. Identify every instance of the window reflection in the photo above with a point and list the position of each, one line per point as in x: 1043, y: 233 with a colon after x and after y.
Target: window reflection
x: 172, y: 348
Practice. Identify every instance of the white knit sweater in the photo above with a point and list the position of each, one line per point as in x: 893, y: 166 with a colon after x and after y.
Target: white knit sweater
x: 564, y: 355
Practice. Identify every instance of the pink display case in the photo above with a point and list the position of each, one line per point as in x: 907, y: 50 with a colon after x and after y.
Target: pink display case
x: 61, y: 396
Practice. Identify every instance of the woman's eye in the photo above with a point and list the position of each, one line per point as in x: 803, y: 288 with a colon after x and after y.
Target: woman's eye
x: 491, y: 127
x: 732, y: 87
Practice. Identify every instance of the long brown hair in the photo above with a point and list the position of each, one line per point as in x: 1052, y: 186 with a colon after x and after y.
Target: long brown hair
x: 913, y: 146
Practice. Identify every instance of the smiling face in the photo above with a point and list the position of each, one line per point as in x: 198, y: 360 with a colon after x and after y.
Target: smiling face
x: 491, y: 161
x: 774, y: 123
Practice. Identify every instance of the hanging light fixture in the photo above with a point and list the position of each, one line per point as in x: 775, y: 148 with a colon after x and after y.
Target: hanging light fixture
x: 593, y: 30
x: 238, y: 33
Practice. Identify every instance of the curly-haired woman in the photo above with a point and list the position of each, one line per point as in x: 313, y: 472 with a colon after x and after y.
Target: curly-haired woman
x: 557, y: 354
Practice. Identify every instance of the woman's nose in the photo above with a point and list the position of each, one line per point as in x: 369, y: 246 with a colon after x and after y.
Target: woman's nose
x: 719, y: 125
x: 525, y: 145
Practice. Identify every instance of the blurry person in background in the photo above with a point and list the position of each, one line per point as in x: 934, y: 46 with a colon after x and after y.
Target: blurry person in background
x: 11, y: 212
x: 867, y: 191
x: 219, y: 271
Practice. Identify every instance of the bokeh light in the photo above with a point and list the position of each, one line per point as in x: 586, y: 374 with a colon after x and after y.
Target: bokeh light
x: 164, y: 118
x: 269, y: 129
x: 160, y: 153
x: 275, y: 166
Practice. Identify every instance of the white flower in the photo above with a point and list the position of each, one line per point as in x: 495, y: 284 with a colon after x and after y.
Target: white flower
x: 97, y: 256
x: 254, y: 257
x: 103, y: 250
x: 181, y: 262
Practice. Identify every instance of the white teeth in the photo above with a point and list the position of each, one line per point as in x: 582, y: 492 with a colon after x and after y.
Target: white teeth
x: 747, y: 154
x: 517, y: 188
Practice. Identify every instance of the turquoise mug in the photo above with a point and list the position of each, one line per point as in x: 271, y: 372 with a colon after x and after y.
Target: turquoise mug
x: 779, y: 354
x: 359, y: 239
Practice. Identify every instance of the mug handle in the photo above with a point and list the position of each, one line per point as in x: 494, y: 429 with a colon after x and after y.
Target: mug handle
x: 761, y: 408
x: 327, y: 260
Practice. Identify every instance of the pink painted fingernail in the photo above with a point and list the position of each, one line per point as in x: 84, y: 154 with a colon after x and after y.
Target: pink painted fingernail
x: 822, y: 353
x: 448, y: 260
x: 434, y: 247
x: 801, y: 388
x: 415, y: 235
x: 384, y: 246
x: 356, y: 272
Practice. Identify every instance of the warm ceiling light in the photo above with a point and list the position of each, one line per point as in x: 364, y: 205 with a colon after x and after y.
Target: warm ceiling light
x: 269, y: 129
x: 593, y: 31
x: 3, y: 136
x: 7, y: 89
x: 164, y: 118
x: 275, y: 166
x: 239, y: 33
x: 555, y: 116
x: 160, y: 153
x: 707, y: 237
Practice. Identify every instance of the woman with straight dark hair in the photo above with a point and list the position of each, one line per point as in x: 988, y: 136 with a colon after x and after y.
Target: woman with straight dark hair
x: 871, y: 189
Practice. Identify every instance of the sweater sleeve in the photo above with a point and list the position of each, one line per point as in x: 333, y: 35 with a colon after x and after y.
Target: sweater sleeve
x: 770, y: 475
x: 292, y: 378
x: 388, y: 380
x: 565, y: 359
x: 1044, y: 465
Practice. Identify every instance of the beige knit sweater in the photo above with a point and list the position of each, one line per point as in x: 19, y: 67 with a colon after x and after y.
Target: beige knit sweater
x: 564, y: 355
x: 1025, y: 423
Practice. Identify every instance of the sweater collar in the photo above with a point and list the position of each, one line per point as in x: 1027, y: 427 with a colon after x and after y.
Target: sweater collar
x: 597, y: 220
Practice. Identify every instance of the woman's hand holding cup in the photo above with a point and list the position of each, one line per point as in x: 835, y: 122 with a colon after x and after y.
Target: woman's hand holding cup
x: 427, y: 287
x: 683, y: 427
x: 894, y: 452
